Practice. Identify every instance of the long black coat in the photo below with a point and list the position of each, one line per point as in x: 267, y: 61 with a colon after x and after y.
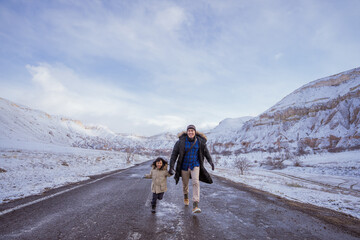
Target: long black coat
x: 178, y: 154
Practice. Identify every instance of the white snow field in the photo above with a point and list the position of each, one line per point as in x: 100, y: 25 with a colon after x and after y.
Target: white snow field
x: 330, y: 180
x: 39, y: 151
x: 35, y: 168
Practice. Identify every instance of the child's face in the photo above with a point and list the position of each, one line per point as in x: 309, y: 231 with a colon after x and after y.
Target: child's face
x: 159, y: 164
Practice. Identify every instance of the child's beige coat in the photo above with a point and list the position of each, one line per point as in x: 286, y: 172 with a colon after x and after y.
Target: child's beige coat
x: 158, y: 176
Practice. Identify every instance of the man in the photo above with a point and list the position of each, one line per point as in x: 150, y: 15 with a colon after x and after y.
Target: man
x: 189, y: 151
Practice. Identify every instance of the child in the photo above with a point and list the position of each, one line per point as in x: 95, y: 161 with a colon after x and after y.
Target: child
x: 158, y: 174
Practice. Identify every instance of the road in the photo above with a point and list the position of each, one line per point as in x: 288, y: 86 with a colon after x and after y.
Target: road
x: 117, y: 206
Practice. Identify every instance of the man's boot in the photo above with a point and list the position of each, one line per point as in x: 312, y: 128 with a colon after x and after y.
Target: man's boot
x: 186, y: 199
x: 153, y: 208
x: 196, y: 208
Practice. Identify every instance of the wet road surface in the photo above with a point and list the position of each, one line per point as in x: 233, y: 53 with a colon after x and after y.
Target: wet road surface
x: 118, y: 207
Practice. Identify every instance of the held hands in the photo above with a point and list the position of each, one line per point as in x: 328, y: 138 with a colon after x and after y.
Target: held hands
x: 171, y: 171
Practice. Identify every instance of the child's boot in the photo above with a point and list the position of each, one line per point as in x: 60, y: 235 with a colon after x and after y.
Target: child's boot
x: 186, y: 199
x: 196, y: 208
x: 153, y: 208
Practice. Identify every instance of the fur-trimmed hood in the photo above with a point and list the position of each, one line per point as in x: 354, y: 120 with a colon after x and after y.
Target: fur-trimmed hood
x: 164, y: 164
x: 197, y: 134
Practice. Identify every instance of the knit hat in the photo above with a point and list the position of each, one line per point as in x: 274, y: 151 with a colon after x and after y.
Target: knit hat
x: 191, y: 127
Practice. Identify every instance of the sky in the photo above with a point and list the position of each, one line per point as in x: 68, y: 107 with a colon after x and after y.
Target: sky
x: 145, y: 67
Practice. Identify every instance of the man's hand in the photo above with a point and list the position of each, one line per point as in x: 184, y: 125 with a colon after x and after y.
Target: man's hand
x: 212, y: 166
x: 171, y: 171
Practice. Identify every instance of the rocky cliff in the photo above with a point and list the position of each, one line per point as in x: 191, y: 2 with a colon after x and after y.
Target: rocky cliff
x: 320, y: 116
x: 323, y: 115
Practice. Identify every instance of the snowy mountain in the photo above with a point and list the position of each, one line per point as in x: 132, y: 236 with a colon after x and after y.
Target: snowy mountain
x: 20, y: 124
x: 224, y: 133
x: 40, y: 152
x: 323, y: 115
x: 228, y: 125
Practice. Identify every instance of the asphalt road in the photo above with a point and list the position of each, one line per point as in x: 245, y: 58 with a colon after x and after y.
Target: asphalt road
x: 117, y: 206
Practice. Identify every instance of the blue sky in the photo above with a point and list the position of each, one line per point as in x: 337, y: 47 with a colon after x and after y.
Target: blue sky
x: 146, y: 67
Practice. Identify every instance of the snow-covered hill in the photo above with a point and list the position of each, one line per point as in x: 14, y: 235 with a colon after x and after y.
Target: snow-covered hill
x: 226, y: 128
x: 228, y: 125
x: 39, y: 151
x: 323, y: 115
x: 20, y: 124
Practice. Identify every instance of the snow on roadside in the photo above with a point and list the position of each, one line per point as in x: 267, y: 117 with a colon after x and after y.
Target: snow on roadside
x: 35, y: 168
x: 329, y: 180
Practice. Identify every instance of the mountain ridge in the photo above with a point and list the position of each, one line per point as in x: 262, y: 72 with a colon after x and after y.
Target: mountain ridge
x: 322, y: 115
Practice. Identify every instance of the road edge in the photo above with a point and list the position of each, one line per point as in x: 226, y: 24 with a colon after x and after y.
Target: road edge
x: 19, y: 203
x: 345, y: 222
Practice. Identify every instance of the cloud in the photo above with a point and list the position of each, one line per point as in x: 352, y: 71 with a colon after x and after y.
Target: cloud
x: 59, y: 90
x: 169, y: 123
x: 170, y: 18
x: 278, y: 56
x: 152, y: 65
x: 41, y: 75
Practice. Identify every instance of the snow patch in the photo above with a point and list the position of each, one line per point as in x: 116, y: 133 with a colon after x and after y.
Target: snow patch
x: 328, y: 180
